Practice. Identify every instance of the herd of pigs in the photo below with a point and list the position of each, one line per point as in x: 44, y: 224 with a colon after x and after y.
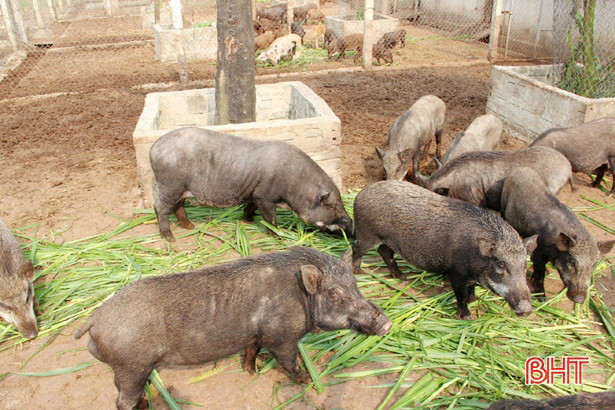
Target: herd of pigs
x: 271, y: 36
x: 438, y: 224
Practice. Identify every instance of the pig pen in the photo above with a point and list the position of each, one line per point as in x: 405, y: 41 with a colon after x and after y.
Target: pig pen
x: 287, y: 111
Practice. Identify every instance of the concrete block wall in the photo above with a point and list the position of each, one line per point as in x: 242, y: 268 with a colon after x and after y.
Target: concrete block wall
x: 527, y: 104
x: 345, y: 25
x: 288, y: 111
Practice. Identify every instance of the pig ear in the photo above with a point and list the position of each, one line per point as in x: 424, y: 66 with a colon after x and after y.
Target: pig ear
x: 530, y: 244
x: 380, y: 153
x: 347, y: 257
x: 485, y: 246
x: 605, y: 247
x: 27, y: 271
x: 322, y: 195
x: 312, y: 277
x: 564, y: 242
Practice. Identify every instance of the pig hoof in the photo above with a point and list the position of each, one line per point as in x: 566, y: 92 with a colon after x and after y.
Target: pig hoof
x: 168, y: 236
x: 303, y: 377
x: 186, y: 225
x: 462, y: 316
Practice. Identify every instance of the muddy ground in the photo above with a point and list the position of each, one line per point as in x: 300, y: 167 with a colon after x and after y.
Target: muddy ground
x: 68, y: 165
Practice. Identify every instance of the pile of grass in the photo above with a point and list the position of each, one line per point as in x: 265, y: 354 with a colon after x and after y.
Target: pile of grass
x: 436, y: 359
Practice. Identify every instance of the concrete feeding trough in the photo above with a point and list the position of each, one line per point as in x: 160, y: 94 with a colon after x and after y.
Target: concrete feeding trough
x: 345, y: 25
x: 200, y: 43
x: 287, y: 111
x: 528, y: 103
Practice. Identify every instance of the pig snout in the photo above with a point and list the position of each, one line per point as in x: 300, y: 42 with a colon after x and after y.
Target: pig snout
x: 342, y: 223
x: 371, y: 320
x: 576, y: 293
x: 524, y: 308
x: 24, y: 321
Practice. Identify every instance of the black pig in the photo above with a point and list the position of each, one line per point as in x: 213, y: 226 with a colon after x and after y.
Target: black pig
x: 269, y: 301
x: 589, y: 147
x: 224, y: 170
x: 529, y: 206
x: 443, y: 235
x: 477, y: 177
x: 17, y: 300
x: 586, y: 401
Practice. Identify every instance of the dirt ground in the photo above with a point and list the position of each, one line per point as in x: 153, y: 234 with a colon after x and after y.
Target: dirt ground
x: 68, y: 168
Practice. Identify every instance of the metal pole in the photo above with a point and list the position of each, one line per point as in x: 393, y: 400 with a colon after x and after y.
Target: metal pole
x: 494, y: 34
x: 177, y: 18
x: 538, y: 29
x: 8, y: 22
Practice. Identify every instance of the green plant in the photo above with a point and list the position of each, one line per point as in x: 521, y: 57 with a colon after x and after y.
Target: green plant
x: 589, y: 78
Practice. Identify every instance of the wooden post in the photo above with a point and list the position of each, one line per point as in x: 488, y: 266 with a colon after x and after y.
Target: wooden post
x: 368, y: 33
x: 51, y: 9
x: 18, y: 21
x: 540, y: 14
x: 494, y: 34
x: 235, y: 89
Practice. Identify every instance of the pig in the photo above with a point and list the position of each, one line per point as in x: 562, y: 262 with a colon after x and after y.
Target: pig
x: 529, y: 206
x: 589, y: 147
x: 483, y: 134
x: 348, y: 43
x: 379, y: 52
x: 267, y: 301
x: 442, y: 235
x: 410, y: 132
x: 390, y: 39
x: 315, y: 36
x: 263, y: 41
x: 315, y: 15
x: 296, y: 28
x: 285, y: 46
x: 586, y: 401
x: 300, y: 13
x: 275, y: 13
x: 477, y: 177
x: 18, y: 302
x: 329, y: 37
x: 263, y: 25
x: 224, y: 170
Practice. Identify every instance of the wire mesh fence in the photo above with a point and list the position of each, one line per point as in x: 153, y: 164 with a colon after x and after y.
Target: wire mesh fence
x: 584, y: 47
x: 51, y: 46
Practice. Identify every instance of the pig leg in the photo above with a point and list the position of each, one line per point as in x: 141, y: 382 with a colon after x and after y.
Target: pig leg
x: 166, y: 202
x: 130, y: 383
x: 462, y: 294
x: 537, y: 280
x: 180, y: 214
x: 267, y: 210
x: 438, y: 144
x: 387, y: 256
x: 249, y: 360
x: 248, y: 212
x: 612, y: 166
x: 599, y: 174
x: 286, y: 355
x: 359, y: 249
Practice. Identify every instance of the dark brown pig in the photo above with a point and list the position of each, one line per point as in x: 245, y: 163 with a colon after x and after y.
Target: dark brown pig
x: 442, y: 235
x: 529, y: 206
x: 390, y: 39
x: 412, y: 131
x: 300, y: 13
x: 224, y: 170
x: 268, y: 301
x: 17, y: 300
x: 477, y: 177
x: 586, y: 401
x: 379, y: 52
x: 339, y: 46
x: 589, y: 147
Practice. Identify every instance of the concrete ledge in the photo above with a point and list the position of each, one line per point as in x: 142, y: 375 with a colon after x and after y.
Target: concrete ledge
x: 528, y: 104
x: 287, y: 111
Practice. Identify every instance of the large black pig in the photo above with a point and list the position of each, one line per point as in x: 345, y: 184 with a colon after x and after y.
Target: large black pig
x: 477, y: 177
x: 529, y: 206
x: 269, y: 301
x: 443, y: 235
x: 224, y: 170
